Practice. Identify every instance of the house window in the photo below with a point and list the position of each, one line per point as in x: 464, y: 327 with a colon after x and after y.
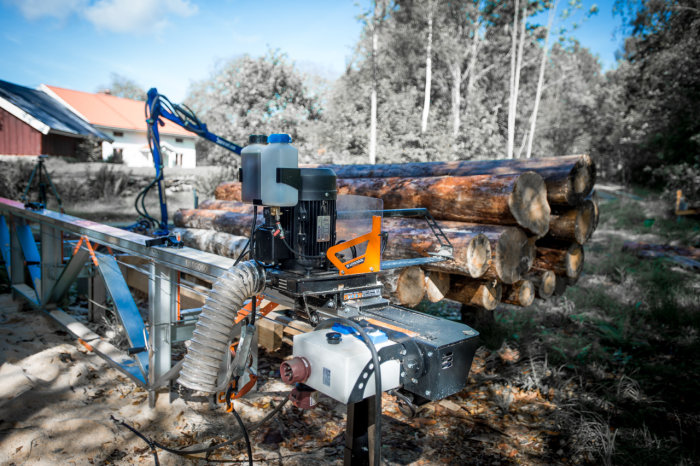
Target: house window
x: 118, y: 134
x: 178, y: 159
x: 178, y: 139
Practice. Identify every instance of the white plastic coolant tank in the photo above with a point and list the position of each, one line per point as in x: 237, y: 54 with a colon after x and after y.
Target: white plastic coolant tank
x: 336, y: 368
x: 279, y: 153
x: 250, y: 164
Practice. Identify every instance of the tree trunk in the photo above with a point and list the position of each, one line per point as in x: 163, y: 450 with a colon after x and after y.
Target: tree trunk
x: 230, y: 206
x: 570, y: 179
x: 518, y: 68
x: 373, y: 96
x: 573, y: 224
x: 216, y: 242
x: 499, y: 200
x: 521, y: 293
x: 516, y: 199
x: 595, y: 201
x: 428, y: 71
x: 410, y: 237
x: 404, y: 286
x: 220, y: 220
x: 563, y: 262
x: 544, y: 282
x: 540, y: 82
x: 480, y: 293
x: 437, y: 285
x: 407, y: 237
x: 456, y: 98
x: 512, y: 95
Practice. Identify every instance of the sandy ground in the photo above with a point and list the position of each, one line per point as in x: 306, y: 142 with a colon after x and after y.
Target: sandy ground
x: 56, y: 399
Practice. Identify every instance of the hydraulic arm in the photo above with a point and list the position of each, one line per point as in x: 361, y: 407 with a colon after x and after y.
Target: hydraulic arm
x: 159, y: 107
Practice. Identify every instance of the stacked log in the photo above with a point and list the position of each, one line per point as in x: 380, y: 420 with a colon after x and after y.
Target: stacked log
x: 517, y: 226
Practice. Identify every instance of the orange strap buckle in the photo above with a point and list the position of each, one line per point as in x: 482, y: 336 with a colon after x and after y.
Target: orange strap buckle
x: 89, y: 248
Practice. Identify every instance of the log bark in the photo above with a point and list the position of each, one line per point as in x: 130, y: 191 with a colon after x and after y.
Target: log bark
x: 407, y: 237
x: 521, y: 293
x: 404, y: 286
x: 216, y: 242
x: 595, y: 200
x: 513, y: 199
x: 544, y: 283
x: 569, y: 178
x: 220, y: 220
x: 563, y: 262
x: 573, y: 224
x: 560, y: 286
x: 229, y: 206
x: 480, y: 293
x: 437, y: 285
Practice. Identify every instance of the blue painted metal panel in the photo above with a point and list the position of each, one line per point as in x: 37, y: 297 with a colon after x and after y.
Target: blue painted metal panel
x: 127, y: 311
x: 5, y: 243
x: 31, y: 255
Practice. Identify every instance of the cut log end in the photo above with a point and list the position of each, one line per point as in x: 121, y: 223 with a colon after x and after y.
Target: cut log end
x: 410, y: 286
x: 548, y: 281
x: 488, y: 295
x: 478, y: 255
x: 521, y: 293
x: 508, y: 255
x: 437, y: 285
x: 585, y: 222
x: 583, y: 177
x: 574, y: 261
x: 528, y: 203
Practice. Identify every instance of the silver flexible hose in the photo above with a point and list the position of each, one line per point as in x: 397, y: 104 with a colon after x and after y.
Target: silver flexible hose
x: 208, y: 347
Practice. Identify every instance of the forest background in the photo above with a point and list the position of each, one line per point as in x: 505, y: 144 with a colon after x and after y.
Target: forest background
x: 466, y: 79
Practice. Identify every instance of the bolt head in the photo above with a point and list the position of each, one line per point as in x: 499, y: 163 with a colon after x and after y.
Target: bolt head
x: 414, y: 380
x: 427, y: 393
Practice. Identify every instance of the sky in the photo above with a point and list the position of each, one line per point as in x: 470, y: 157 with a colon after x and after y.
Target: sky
x: 168, y: 44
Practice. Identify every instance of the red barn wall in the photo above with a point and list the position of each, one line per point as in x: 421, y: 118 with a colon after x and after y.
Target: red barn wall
x: 55, y: 144
x: 17, y: 137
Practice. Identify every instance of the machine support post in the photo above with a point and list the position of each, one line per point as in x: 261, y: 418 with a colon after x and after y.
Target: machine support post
x: 51, y: 260
x: 359, y: 433
x: 16, y: 261
x: 162, y: 310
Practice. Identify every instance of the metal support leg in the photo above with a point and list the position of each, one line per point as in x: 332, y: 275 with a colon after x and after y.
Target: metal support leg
x: 16, y: 261
x: 162, y: 299
x: 359, y: 433
x: 97, y: 296
x: 51, y: 260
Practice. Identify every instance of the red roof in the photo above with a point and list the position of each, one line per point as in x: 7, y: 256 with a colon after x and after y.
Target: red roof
x: 113, y: 112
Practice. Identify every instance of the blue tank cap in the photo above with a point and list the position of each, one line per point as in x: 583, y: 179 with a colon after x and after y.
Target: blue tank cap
x: 277, y: 137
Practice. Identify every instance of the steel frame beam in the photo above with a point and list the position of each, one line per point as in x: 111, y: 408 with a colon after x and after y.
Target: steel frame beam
x: 150, y: 363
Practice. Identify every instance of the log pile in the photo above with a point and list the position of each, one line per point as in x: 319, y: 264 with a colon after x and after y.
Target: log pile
x: 517, y: 226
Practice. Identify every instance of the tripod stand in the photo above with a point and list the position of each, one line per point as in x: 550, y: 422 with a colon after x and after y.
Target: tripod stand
x: 44, y: 182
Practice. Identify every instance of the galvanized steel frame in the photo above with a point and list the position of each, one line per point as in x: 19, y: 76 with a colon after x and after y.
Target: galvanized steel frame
x: 50, y: 278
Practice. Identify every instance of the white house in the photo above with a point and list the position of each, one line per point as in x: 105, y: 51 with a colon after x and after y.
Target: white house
x: 124, y: 121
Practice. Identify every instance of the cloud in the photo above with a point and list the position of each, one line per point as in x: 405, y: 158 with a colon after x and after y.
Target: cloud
x: 136, y: 16
x: 61, y: 9
x: 121, y: 16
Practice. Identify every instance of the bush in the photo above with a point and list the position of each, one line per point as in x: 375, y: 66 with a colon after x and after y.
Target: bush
x: 682, y: 176
x: 206, y: 185
x: 14, y: 177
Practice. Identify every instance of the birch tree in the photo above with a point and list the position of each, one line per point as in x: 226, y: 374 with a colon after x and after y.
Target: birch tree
x: 540, y: 80
x: 428, y: 70
x: 379, y: 12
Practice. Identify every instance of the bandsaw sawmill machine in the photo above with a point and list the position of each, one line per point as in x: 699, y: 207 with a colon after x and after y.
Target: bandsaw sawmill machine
x: 319, y: 255
x: 361, y: 345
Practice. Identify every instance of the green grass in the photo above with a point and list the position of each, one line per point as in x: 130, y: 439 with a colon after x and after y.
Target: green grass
x: 629, y: 321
